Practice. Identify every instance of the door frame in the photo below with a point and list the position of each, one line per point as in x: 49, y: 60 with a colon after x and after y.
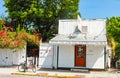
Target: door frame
x: 75, y: 55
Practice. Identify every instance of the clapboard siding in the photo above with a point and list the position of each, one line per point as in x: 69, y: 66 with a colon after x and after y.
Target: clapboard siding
x: 67, y: 26
x: 94, y: 27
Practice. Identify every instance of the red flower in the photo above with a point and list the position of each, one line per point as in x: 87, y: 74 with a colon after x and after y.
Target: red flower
x: 2, y: 33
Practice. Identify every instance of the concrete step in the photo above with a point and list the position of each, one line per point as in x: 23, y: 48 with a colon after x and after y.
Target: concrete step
x: 80, y: 70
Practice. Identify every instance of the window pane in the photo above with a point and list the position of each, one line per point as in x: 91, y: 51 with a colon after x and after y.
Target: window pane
x: 84, y: 29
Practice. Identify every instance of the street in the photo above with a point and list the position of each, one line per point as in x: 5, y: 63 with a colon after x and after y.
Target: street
x: 7, y: 72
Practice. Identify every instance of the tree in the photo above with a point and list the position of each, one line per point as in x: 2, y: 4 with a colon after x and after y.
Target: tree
x: 113, y: 32
x: 113, y: 28
x: 15, y: 39
x: 41, y: 15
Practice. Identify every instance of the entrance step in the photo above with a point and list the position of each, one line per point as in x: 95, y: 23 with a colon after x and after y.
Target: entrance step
x: 80, y: 70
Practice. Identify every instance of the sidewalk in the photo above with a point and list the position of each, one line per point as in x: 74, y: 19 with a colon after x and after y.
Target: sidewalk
x: 111, y: 73
x: 8, y: 70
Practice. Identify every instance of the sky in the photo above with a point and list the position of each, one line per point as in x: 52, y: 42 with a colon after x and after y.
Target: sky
x: 90, y: 8
x: 2, y: 9
x: 99, y: 8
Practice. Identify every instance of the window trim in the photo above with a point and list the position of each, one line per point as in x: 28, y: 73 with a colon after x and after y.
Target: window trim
x: 84, y: 29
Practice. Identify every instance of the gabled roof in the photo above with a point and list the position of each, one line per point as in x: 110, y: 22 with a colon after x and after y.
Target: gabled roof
x: 70, y: 32
x: 79, y: 39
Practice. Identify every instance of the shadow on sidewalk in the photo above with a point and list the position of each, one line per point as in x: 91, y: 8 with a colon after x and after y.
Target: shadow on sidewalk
x: 62, y: 70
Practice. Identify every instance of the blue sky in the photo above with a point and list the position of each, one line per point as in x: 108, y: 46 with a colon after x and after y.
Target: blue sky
x: 2, y: 9
x: 99, y: 8
x: 91, y: 8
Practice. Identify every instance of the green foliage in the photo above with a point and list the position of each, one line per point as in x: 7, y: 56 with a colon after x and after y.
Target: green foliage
x: 1, y: 23
x: 41, y: 15
x: 113, y: 28
x: 113, y: 32
x: 16, y: 39
x: 117, y: 50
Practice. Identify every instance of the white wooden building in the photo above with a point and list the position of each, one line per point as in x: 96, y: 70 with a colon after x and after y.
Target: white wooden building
x: 9, y: 57
x: 79, y: 44
x: 45, y: 55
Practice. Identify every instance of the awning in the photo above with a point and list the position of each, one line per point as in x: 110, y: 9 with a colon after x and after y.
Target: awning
x: 78, y: 39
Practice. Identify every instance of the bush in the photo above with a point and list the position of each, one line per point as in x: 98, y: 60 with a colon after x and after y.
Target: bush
x: 16, y: 39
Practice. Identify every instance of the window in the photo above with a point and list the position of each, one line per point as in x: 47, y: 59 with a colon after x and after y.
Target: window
x: 80, y: 52
x: 84, y: 29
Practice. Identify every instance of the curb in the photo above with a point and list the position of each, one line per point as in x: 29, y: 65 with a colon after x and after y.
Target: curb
x: 47, y: 75
x: 24, y: 74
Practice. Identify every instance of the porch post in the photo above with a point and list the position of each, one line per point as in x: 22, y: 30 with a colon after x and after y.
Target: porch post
x: 55, y: 57
x: 105, y: 64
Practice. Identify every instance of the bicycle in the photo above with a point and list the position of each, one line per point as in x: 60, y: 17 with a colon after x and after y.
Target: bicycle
x: 23, y: 66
